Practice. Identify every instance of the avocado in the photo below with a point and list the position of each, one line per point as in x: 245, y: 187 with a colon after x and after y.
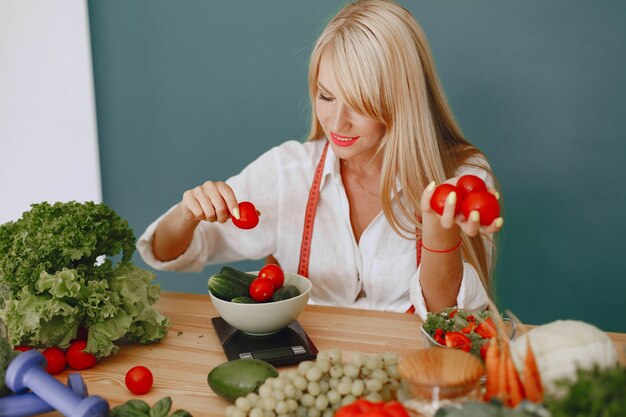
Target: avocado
x: 239, y: 377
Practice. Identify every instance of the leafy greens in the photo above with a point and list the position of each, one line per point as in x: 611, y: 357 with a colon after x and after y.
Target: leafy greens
x: 57, y: 274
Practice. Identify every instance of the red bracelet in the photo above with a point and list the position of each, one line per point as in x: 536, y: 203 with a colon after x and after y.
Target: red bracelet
x: 442, y: 251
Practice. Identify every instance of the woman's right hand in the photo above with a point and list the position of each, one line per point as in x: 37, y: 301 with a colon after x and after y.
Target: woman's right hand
x: 212, y: 201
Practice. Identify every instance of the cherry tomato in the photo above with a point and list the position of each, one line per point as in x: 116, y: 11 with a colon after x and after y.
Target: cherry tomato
x: 485, y: 203
x: 440, y: 337
x: 487, y: 329
x: 22, y: 348
x: 248, y: 216
x: 395, y: 409
x: 468, y: 184
x: 458, y: 340
x: 438, y: 200
x: 261, y: 289
x: 78, y: 359
x: 139, y: 380
x: 55, y: 359
x: 274, y: 273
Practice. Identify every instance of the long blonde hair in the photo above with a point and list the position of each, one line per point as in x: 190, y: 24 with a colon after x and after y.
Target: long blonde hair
x: 385, y: 70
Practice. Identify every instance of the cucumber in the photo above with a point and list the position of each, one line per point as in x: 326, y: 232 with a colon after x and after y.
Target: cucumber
x: 226, y: 287
x: 239, y: 377
x: 243, y: 300
x: 285, y: 292
x: 235, y: 273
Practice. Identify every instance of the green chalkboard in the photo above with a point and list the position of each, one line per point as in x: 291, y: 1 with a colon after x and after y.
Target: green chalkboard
x: 193, y: 90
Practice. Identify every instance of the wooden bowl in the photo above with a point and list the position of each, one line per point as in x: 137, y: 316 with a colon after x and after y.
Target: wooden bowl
x: 446, y: 373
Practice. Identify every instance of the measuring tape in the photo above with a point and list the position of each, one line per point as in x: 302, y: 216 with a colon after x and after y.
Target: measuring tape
x: 309, y: 218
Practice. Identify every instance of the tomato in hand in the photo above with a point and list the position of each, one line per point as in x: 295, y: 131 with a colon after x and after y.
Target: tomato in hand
x: 274, y: 273
x: 248, y: 216
x: 458, y: 340
x: 438, y: 200
x: 55, y: 359
x: 139, y: 380
x: 469, y: 184
x: 261, y: 289
x: 487, y: 329
x: 77, y: 358
x: 485, y: 203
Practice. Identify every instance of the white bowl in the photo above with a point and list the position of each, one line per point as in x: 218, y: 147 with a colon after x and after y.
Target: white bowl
x: 261, y: 319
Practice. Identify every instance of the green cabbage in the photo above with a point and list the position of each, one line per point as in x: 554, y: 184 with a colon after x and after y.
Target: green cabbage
x: 57, y: 274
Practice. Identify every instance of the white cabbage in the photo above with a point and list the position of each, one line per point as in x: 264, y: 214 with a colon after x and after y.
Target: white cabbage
x: 563, y: 346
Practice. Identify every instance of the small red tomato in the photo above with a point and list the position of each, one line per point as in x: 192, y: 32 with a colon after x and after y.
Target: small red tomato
x: 139, y: 380
x: 248, y: 216
x: 487, y: 329
x: 274, y: 273
x: 438, y: 200
x: 55, y: 359
x: 78, y: 359
x: 458, y: 340
x: 261, y: 289
x: 395, y: 409
x: 485, y: 203
x: 22, y: 348
x: 469, y: 184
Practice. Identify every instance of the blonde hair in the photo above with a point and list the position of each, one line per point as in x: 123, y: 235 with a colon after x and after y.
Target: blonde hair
x: 385, y: 70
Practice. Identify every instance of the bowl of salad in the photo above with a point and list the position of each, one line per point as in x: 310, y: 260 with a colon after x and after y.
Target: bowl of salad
x: 463, y: 329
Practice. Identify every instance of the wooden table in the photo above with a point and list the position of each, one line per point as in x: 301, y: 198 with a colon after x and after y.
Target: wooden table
x: 181, y: 362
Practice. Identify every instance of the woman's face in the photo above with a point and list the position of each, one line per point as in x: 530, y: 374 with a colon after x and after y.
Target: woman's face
x: 353, y: 136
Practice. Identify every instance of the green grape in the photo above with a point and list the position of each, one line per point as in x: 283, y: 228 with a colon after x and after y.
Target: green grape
x: 358, y: 359
x: 300, y: 383
x: 344, y: 388
x: 374, y: 397
x: 279, y: 395
x: 268, y: 403
x: 313, y: 374
x: 324, y: 365
x: 380, y: 375
x: 230, y: 410
x: 289, y: 390
x: 333, y: 397
x: 373, y: 385
x: 305, y: 366
x: 307, y: 400
x: 256, y: 412
x: 243, y: 404
x: 358, y: 387
x: 265, y: 390
x: 390, y: 358
x: 314, y: 388
x: 336, y: 371
x: 292, y: 405
x: 350, y: 370
x: 281, y: 407
x: 335, y: 356
x: 321, y: 402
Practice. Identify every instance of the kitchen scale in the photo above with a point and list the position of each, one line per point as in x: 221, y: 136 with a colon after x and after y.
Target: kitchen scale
x: 288, y: 346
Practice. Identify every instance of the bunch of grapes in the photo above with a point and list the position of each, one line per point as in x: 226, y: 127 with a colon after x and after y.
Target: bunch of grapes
x: 318, y: 388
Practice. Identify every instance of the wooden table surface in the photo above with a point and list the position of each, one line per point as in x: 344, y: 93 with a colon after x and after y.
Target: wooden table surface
x: 180, y: 364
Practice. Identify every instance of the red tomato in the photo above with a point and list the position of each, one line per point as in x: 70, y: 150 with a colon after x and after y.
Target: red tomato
x: 261, y: 289
x: 469, y: 184
x: 139, y: 380
x: 453, y: 313
x: 274, y: 274
x: 395, y: 409
x: 22, y: 348
x: 458, y: 340
x: 55, y: 359
x: 248, y: 216
x: 440, y: 337
x: 78, y: 359
x: 487, y: 329
x: 485, y: 203
x: 361, y: 407
x: 438, y: 200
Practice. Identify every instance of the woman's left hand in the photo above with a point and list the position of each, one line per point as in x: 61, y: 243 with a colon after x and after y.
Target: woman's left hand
x: 447, y: 220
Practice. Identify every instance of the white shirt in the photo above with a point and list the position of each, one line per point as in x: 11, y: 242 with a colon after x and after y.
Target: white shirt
x: 378, y: 273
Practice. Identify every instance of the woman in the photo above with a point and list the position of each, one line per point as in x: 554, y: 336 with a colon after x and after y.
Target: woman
x: 350, y: 208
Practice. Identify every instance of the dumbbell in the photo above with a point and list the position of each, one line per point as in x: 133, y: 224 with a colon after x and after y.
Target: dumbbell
x: 26, y: 371
x: 29, y: 404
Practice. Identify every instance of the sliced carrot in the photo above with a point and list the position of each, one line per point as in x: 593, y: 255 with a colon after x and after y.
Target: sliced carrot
x: 531, y: 376
x: 492, y: 359
x: 514, y: 385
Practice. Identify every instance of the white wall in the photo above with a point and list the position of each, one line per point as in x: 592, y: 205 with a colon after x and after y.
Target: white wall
x: 48, y: 134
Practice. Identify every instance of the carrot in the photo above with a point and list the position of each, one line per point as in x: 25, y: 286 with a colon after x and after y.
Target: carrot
x: 492, y: 359
x: 502, y: 392
x: 532, y: 378
x: 514, y: 385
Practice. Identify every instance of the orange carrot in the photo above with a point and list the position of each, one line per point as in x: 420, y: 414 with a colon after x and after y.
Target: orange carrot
x: 492, y: 359
x: 514, y: 385
x: 502, y: 392
x: 532, y: 378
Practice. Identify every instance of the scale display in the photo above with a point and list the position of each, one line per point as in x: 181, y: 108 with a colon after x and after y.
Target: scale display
x: 288, y: 346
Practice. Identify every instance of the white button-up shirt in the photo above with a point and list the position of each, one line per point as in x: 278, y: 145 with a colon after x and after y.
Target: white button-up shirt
x: 379, y: 272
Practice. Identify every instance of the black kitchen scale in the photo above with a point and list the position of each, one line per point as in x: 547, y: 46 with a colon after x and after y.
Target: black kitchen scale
x: 288, y: 346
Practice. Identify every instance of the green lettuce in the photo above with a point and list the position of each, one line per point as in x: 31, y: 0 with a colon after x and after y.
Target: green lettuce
x: 57, y: 275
